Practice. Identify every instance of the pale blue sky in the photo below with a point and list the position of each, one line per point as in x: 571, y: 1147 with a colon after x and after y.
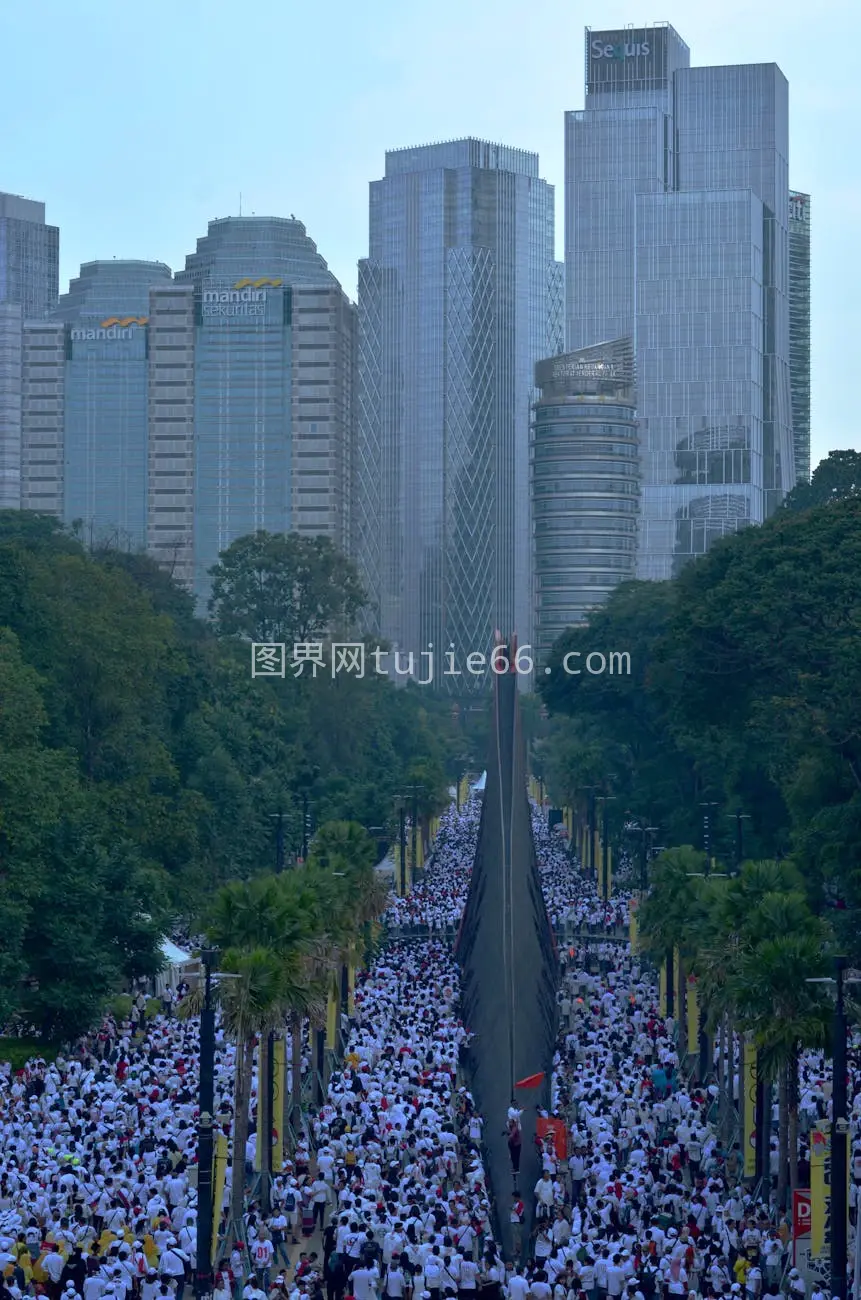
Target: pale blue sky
x: 138, y: 123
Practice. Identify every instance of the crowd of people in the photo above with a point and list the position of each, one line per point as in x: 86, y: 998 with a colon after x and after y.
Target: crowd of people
x: 98, y: 1148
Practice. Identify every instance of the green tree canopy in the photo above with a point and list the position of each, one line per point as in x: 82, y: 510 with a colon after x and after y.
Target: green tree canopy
x: 834, y: 479
x: 284, y: 588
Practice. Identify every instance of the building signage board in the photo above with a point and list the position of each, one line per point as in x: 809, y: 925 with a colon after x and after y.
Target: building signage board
x: 114, y: 327
x: 816, y: 1271
x: 631, y: 58
x: 246, y: 298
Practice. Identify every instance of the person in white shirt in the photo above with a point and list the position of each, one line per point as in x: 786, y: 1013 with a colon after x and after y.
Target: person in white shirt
x: 365, y: 1281
x: 469, y: 1271
x: 518, y: 1287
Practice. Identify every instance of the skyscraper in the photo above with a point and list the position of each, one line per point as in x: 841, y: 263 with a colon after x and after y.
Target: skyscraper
x: 107, y: 419
x: 274, y: 378
x: 585, y: 484
x: 105, y: 444
x: 459, y: 297
x: 799, y: 329
x: 29, y: 256
x: 29, y: 283
x: 676, y: 234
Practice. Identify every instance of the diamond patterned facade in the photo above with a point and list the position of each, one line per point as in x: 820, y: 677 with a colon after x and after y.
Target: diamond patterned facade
x: 458, y: 299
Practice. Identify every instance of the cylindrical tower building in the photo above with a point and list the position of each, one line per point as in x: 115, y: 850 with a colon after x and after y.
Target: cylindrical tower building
x: 585, y: 484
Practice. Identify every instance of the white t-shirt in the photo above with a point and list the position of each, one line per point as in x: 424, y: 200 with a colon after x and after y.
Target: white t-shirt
x: 364, y: 1282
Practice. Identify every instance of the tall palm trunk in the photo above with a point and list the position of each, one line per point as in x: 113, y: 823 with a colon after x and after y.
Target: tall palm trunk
x: 792, y: 1106
x: 296, y: 1072
x: 264, y: 1121
x: 783, y: 1134
x: 241, y: 1099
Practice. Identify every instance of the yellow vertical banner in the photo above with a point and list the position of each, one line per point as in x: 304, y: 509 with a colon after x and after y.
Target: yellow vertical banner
x: 261, y: 1084
x: 678, y: 990
x: 351, y: 990
x: 662, y: 990
x: 219, y: 1179
x: 279, y: 1092
x: 609, y: 871
x: 693, y: 1004
x: 596, y: 851
x: 332, y: 1021
x: 748, y: 1120
x: 820, y: 1191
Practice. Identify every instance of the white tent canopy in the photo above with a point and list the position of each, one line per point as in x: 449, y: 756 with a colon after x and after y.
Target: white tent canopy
x: 478, y: 787
x: 177, y: 966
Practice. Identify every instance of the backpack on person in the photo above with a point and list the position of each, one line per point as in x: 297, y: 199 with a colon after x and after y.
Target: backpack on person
x: 290, y: 1202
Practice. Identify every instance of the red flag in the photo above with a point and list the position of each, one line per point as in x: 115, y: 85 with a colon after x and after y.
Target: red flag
x: 531, y: 1081
x: 543, y: 1126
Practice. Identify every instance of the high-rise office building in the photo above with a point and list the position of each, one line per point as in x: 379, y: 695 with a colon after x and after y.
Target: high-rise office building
x: 11, y: 323
x: 585, y: 484
x: 273, y: 392
x: 107, y: 422
x: 105, y: 413
x: 677, y: 235
x: 29, y: 284
x: 459, y: 297
x: 799, y: 330
x: 29, y: 256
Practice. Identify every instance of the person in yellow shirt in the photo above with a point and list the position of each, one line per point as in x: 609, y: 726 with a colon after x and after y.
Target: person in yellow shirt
x: 741, y: 1268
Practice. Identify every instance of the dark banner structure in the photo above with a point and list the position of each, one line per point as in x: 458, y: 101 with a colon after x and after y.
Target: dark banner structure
x: 509, y: 966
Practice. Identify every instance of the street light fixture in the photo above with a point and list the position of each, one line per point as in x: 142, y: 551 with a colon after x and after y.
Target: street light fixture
x: 738, y: 818
x: 839, y: 1130
x: 706, y: 832
x: 203, y: 1276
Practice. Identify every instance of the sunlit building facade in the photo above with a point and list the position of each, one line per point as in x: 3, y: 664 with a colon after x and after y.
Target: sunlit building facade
x: 459, y: 297
x: 677, y: 235
x: 274, y: 385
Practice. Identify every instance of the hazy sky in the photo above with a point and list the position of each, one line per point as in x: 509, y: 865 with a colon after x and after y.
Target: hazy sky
x: 138, y: 123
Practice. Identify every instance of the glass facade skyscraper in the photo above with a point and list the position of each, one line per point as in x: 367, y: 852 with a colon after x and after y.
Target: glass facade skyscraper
x: 254, y: 414
x: 799, y: 329
x: 29, y: 284
x: 585, y: 484
x: 105, y: 314
x: 29, y: 256
x: 676, y: 234
x: 459, y: 297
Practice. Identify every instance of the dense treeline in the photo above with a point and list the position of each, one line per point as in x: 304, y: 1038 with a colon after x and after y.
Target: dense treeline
x: 743, y: 704
x: 141, y: 766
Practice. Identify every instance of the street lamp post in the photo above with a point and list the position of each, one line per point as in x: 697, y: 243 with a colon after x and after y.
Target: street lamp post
x: 203, y: 1278
x: 739, y: 841
x: 839, y: 1132
x: 402, y: 838
x: 707, y: 848
x: 839, y: 1142
x: 279, y: 839
x: 605, y: 846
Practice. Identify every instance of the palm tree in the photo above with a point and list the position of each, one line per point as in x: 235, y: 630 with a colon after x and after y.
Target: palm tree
x: 251, y: 1006
x: 783, y: 943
